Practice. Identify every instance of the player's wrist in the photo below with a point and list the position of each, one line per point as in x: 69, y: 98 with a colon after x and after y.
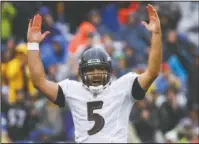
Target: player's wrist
x: 33, y: 46
x: 157, y: 33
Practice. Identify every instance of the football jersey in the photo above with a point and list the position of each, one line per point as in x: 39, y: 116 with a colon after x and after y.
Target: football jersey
x: 103, y: 117
x: 18, y: 118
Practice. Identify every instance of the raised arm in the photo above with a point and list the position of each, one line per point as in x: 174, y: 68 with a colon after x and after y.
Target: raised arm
x: 155, y: 56
x: 34, y: 37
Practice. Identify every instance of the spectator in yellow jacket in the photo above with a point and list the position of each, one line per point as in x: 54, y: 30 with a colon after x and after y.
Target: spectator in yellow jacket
x: 8, y: 13
x: 17, y: 74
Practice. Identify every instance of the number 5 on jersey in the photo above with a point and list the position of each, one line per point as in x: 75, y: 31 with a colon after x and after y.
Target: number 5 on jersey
x: 99, y: 120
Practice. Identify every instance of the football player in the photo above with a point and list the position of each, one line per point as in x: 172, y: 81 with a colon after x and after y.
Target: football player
x: 100, y: 107
x: 19, y: 117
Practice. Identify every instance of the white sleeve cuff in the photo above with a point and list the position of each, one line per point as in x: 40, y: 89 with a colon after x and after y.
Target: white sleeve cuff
x: 33, y: 46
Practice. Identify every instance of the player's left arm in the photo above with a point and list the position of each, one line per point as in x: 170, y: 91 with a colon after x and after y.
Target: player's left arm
x: 155, y: 56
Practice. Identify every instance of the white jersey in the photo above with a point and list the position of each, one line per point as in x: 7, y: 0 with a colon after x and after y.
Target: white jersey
x: 101, y: 118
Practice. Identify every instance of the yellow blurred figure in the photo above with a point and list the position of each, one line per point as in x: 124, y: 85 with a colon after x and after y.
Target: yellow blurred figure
x: 16, y: 72
x: 5, y: 138
x: 8, y: 13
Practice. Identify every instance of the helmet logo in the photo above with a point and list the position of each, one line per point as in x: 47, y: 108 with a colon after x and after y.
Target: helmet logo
x: 94, y: 61
x: 108, y: 58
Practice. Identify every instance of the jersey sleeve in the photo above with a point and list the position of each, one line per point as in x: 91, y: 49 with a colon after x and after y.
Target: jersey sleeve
x: 62, y: 92
x: 64, y: 85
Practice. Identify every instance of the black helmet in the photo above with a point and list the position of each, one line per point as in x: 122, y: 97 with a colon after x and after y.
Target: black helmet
x: 95, y: 57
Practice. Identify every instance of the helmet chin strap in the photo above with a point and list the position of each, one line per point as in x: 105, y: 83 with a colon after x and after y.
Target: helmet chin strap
x: 97, y: 89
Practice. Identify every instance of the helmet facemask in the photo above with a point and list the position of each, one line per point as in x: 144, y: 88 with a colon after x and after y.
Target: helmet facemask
x: 95, y: 76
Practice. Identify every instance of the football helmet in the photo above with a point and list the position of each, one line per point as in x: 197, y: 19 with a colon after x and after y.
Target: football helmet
x: 95, y: 58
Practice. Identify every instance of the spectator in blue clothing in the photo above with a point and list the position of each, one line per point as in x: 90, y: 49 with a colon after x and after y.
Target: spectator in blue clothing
x: 179, y: 47
x: 54, y: 52
x: 110, y: 48
x: 136, y: 36
x: 121, y: 68
x: 165, y: 79
x: 130, y: 56
x: 61, y: 23
x: 48, y: 24
x: 175, y: 41
x: 109, y: 17
x: 178, y: 70
x: 95, y: 18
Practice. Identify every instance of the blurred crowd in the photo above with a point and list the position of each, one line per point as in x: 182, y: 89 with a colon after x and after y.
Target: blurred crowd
x: 168, y: 113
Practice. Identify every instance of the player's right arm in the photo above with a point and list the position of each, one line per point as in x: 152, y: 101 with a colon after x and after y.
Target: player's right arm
x: 38, y: 77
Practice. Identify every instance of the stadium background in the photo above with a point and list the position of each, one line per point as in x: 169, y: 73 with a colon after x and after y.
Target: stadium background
x: 169, y: 113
